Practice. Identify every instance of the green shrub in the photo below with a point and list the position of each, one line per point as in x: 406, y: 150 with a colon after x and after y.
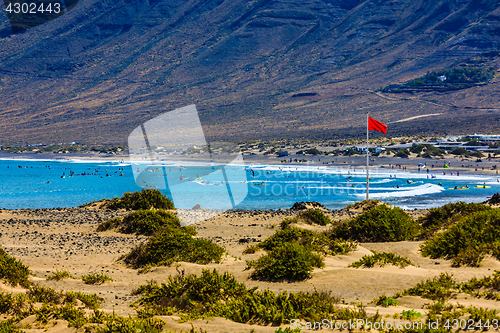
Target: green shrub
x: 442, y: 287
x: 143, y: 222
x: 438, y: 288
x: 364, y: 205
x: 477, y: 154
x: 460, y: 151
x: 95, y: 278
x: 145, y: 199
x: 419, y: 148
x: 109, y: 224
x: 61, y: 305
x: 251, y: 249
x: 438, y: 308
x: 174, y: 244
x: 315, y: 216
x: 442, y: 217
x: 13, y: 304
x: 287, y: 221
x: 312, y: 151
x: 481, y: 315
x: 404, y: 153
x: 117, y: 324
x: 458, y: 77
x: 75, y: 317
x: 426, y: 150
x: 13, y: 271
x: 312, y: 240
x: 8, y: 326
x: 411, y: 314
x: 169, y: 241
x: 290, y: 261
x: 385, y: 301
x: 146, y: 288
x: 487, y: 286
x: 91, y: 301
x: 467, y: 241
x: 470, y: 256
x: 40, y: 294
x: 290, y: 253
x: 382, y: 259
x: 59, y: 275
x: 288, y: 330
x: 350, y: 152
x: 220, y: 295
x: 43, y: 294
x: 379, y: 224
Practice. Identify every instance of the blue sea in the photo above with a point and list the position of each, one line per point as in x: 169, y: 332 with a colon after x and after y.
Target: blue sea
x: 70, y: 183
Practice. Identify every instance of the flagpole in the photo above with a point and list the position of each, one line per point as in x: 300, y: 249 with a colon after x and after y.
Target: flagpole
x: 367, y: 161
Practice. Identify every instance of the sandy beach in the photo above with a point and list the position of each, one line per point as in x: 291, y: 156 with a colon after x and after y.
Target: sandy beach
x: 465, y: 166
x: 47, y: 240
x: 66, y: 239
x: 66, y: 156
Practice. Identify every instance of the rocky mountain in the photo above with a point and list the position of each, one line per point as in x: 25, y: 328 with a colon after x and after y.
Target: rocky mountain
x: 255, y: 69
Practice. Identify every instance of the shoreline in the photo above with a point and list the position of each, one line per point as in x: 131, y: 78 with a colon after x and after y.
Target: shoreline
x: 63, y: 157
x: 411, y: 163
x: 330, y: 168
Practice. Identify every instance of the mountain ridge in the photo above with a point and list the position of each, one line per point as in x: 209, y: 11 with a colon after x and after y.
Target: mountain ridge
x: 99, y: 71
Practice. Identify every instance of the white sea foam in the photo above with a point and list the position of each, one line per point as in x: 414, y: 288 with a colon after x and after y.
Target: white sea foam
x: 381, y: 181
x: 114, y: 165
x: 418, y: 190
x: 33, y: 160
x: 72, y: 160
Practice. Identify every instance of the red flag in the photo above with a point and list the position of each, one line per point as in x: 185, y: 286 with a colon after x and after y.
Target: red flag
x: 374, y: 125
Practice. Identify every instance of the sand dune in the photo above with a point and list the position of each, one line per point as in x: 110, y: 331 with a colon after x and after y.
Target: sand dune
x: 52, y: 239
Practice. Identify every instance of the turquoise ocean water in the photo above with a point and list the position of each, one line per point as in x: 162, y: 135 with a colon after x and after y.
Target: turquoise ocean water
x: 51, y: 184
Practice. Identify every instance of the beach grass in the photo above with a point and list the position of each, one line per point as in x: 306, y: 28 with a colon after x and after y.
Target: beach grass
x: 95, y: 278
x: 385, y: 301
x: 47, y: 305
x: 439, y: 288
x: 443, y: 287
x: 41, y: 294
x: 59, y: 275
x: 382, y: 259
x: 447, y: 317
x: 7, y: 326
x: 213, y: 294
x: 13, y: 271
x: 288, y: 330
x: 118, y: 324
x: 55, y: 304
